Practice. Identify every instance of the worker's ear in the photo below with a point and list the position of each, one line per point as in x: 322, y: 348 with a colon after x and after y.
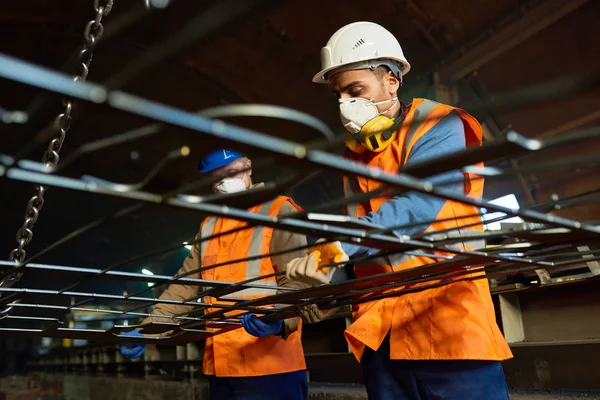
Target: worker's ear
x: 249, y: 166
x: 392, y: 83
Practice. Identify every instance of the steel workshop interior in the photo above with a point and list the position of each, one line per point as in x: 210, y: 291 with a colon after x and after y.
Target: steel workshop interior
x: 299, y: 199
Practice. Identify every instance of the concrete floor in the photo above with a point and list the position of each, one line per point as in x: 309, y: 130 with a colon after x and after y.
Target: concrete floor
x: 78, y: 387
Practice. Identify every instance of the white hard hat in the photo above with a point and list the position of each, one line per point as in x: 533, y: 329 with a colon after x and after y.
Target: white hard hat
x: 361, y: 45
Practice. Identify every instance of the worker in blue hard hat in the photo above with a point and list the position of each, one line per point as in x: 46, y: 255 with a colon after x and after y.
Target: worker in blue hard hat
x: 264, y: 360
x: 224, y: 163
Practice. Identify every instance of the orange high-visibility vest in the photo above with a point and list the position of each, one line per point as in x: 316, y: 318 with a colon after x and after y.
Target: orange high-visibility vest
x: 451, y: 322
x: 237, y: 353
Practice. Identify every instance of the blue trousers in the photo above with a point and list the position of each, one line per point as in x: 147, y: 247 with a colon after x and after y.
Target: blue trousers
x: 287, y: 386
x: 387, y: 379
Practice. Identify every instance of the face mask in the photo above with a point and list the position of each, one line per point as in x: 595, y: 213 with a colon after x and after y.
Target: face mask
x: 231, y: 185
x: 355, y: 112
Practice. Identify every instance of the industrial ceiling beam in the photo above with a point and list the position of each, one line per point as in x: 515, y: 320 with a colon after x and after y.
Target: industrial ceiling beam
x: 453, y: 69
x: 534, y: 21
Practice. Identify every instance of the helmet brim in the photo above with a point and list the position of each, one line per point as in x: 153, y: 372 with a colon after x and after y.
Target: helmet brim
x: 322, y: 76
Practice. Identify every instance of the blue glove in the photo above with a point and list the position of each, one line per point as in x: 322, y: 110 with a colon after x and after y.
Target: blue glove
x: 132, y: 350
x: 256, y: 327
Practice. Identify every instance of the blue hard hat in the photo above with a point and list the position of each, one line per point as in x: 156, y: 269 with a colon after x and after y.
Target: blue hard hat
x: 217, y: 159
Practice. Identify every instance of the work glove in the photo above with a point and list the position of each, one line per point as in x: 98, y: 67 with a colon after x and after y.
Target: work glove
x: 311, y: 313
x: 132, y: 350
x: 258, y: 328
x: 307, y: 269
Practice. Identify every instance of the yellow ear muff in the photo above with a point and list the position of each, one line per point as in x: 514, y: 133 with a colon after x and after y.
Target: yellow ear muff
x: 378, y: 133
x: 377, y: 124
x: 352, y: 144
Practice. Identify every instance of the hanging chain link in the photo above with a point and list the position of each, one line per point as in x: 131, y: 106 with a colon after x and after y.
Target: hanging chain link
x: 93, y: 32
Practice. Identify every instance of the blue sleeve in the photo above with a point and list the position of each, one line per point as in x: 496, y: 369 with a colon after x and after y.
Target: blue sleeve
x: 447, y: 136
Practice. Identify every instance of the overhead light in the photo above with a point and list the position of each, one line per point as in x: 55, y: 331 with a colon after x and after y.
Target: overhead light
x: 187, y: 246
x: 148, y: 272
x: 508, y: 201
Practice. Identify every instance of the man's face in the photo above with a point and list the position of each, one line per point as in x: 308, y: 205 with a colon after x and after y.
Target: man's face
x: 367, y: 84
x: 237, y: 169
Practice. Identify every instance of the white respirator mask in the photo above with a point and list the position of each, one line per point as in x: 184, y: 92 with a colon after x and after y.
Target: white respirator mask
x: 231, y: 185
x: 355, y: 112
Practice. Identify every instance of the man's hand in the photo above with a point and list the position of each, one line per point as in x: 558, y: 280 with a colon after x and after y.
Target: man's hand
x: 258, y: 328
x: 132, y: 350
x: 308, y: 269
x: 311, y: 313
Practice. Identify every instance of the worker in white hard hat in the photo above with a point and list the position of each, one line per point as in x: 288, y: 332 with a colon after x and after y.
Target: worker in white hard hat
x: 439, y: 343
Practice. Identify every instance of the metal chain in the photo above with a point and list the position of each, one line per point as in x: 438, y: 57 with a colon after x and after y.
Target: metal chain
x: 93, y: 32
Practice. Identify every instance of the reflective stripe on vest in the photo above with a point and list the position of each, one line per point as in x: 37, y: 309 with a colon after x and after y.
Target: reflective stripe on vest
x: 206, y: 231
x: 421, y: 112
x: 351, y: 188
x: 252, y: 266
x: 398, y: 259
